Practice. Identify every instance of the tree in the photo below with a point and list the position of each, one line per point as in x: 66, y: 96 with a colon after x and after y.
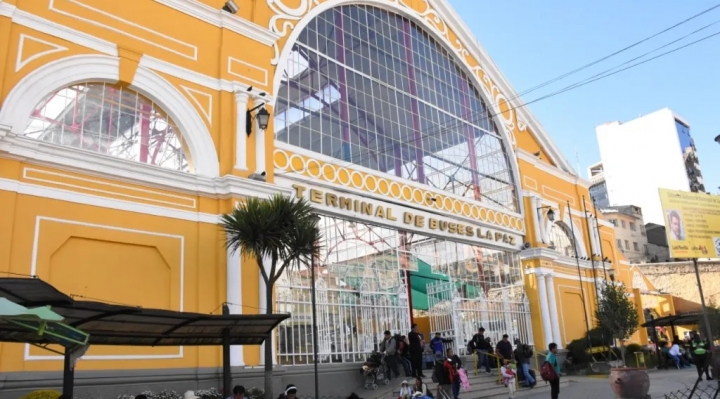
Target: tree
x: 617, y: 315
x: 279, y: 233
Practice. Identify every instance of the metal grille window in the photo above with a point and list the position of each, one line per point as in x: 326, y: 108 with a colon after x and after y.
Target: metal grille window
x: 109, y: 120
x: 370, y: 88
x: 560, y: 239
x: 362, y: 290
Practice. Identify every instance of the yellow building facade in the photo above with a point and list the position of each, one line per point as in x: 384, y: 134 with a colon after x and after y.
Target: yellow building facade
x: 124, y: 134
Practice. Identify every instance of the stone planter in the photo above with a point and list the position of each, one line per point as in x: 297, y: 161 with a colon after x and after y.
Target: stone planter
x: 630, y: 382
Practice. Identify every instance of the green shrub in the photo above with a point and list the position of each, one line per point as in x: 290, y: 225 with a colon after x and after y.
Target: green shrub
x: 42, y: 394
x: 578, y: 348
x: 632, y: 348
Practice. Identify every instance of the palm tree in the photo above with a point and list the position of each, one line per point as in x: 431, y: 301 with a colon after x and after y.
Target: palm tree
x: 281, y: 231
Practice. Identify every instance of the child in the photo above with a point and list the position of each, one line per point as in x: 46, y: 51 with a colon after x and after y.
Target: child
x: 405, y: 391
x: 508, y: 376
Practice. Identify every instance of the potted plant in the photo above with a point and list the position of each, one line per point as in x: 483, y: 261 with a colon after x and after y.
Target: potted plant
x: 617, y: 315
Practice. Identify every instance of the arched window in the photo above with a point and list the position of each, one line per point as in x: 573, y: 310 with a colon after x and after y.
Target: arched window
x: 561, y: 240
x: 370, y: 87
x: 109, y: 120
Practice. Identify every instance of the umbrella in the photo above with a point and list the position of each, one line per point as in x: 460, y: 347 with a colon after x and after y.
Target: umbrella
x: 11, y: 310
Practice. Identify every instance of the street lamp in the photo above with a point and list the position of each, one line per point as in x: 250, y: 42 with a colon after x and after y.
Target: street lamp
x: 314, y: 318
x: 717, y: 139
x: 550, y: 212
x: 262, y: 117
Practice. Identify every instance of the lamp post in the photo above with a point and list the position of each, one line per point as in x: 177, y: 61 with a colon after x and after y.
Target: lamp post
x: 314, y: 320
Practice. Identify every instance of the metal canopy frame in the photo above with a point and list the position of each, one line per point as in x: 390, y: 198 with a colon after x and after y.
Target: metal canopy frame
x: 680, y: 319
x: 122, y: 325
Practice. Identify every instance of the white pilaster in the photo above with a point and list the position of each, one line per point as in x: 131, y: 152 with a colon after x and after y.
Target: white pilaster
x: 260, y: 143
x: 554, y: 318
x: 535, y: 203
x: 241, y: 106
x: 234, y: 299
x: 544, y: 316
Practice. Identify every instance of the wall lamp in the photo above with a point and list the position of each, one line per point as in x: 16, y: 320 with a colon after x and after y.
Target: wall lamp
x: 717, y: 139
x: 231, y: 7
x: 262, y: 117
x: 550, y: 212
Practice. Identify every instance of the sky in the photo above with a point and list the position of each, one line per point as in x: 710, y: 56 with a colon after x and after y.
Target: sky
x: 533, y: 41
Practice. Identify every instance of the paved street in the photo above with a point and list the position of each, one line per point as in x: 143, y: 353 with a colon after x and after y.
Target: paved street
x: 661, y: 382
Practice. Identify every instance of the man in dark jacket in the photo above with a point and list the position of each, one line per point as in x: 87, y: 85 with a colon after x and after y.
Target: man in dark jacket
x: 482, y: 348
x: 416, y: 352
x: 443, y: 372
x: 523, y: 354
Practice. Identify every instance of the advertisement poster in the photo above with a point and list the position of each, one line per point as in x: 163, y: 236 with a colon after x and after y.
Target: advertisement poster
x: 692, y: 223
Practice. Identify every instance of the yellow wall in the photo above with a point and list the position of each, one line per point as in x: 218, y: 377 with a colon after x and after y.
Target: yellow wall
x: 133, y: 257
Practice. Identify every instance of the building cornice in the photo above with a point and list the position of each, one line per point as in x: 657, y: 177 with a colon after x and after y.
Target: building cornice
x: 222, y: 19
x: 115, y: 169
x: 557, y: 172
x: 553, y: 256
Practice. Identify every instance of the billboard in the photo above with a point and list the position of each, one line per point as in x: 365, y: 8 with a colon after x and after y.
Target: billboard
x: 692, y: 223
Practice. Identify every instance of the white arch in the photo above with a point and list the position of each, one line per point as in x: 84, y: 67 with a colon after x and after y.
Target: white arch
x: 400, y: 8
x: 577, y: 237
x: 27, y: 94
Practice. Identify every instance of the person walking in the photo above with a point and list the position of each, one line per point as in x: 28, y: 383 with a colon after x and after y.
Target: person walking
x: 443, y: 373
x: 508, y: 377
x: 416, y: 352
x: 700, y: 356
x: 482, y: 348
x: 504, y: 348
x: 554, y: 377
x: 389, y: 348
x: 456, y: 364
x: 523, y: 353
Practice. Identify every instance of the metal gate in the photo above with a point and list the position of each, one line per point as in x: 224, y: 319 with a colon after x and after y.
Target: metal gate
x: 457, y: 317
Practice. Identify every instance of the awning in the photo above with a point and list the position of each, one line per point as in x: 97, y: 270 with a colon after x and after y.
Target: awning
x: 682, y: 319
x: 110, y: 324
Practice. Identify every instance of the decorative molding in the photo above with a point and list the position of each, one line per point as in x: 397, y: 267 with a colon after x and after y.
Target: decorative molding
x: 552, y: 170
x: 289, y: 21
x: 121, y: 170
x: 553, y: 256
x: 543, y: 271
x: 192, y: 54
x: 33, y: 271
x: 35, y: 86
x: 364, y: 181
x: 206, y: 110
x: 262, y: 71
x: 222, y: 19
x: 20, y: 62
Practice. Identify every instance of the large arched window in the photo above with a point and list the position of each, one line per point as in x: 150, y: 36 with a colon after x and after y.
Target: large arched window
x: 370, y: 87
x: 109, y: 120
x: 561, y: 240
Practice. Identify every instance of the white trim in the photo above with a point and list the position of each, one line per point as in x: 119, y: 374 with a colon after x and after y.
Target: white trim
x: 430, y: 21
x: 553, y: 256
x: 63, y: 32
x: 193, y: 49
x: 552, y: 170
x: 279, y: 145
x: 51, y: 28
x: 473, y: 47
x: 116, y: 169
x: 263, y: 82
x: 260, y: 157
x: 241, y: 136
x: 20, y: 63
x: 33, y: 272
x: 207, y: 113
x: 233, y: 296
x: 222, y: 19
x: 554, y: 317
x: 26, y: 94
x: 572, y: 277
x: 104, y: 202
x: 26, y: 176
x: 544, y: 308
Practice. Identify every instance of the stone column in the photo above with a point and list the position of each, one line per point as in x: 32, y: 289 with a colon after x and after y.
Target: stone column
x: 234, y: 299
x: 241, y: 106
x: 535, y: 203
x: 554, y: 318
x: 542, y: 293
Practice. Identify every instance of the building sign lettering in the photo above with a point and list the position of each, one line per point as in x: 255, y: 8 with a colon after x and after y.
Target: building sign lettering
x: 415, y: 219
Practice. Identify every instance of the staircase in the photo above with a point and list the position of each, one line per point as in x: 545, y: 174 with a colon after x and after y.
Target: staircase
x: 482, y: 386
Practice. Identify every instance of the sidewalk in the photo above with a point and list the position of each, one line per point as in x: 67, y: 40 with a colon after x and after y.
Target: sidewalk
x: 661, y: 382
